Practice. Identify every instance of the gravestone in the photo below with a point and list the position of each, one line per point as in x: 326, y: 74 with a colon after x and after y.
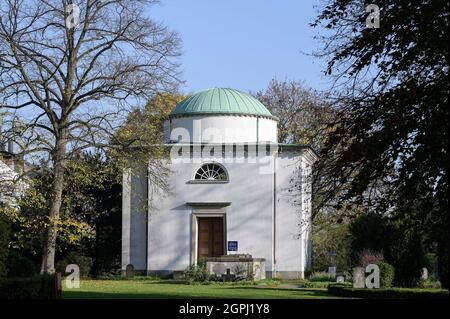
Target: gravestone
x: 129, y: 272
x: 340, y: 279
x: 228, y: 276
x: 358, y: 277
x: 332, y: 270
x: 424, y: 274
x: 240, y: 265
x: 219, y: 269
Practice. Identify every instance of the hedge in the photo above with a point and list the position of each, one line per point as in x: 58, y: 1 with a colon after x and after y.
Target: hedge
x: 36, y: 287
x: 387, y: 273
x: 318, y: 284
x: 387, y: 293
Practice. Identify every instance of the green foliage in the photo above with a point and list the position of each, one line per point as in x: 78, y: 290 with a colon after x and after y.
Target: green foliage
x: 317, y: 284
x: 330, y: 236
x: 388, y: 293
x: 387, y: 273
x: 197, y: 273
x: 112, y: 276
x: 368, y: 233
x: 84, y: 262
x: 20, y: 266
x: 4, y: 243
x: 36, y: 287
x: 90, y: 219
x: 388, y: 148
x: 400, y: 247
x: 96, y: 200
x: 431, y: 263
x: 144, y: 128
x: 429, y: 284
x: 322, y: 276
x: 31, y: 221
x: 406, y: 253
x: 106, y: 247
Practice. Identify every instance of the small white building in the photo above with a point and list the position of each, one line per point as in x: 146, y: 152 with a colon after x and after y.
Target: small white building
x: 13, y: 185
x: 233, y: 190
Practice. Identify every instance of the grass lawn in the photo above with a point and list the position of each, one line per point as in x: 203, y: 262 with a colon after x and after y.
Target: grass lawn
x: 165, y: 289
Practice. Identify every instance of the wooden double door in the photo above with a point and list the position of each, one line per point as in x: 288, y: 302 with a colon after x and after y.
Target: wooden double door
x: 211, y: 237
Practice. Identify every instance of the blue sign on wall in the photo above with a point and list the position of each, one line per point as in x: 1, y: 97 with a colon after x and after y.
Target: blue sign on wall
x: 232, y: 246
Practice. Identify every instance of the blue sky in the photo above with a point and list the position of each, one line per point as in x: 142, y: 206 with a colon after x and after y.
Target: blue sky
x: 243, y: 44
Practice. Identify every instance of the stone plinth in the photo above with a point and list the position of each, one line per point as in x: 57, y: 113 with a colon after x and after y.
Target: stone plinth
x: 242, y: 267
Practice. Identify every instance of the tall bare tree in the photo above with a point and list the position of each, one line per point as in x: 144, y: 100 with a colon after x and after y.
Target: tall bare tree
x: 302, y: 112
x: 67, y: 69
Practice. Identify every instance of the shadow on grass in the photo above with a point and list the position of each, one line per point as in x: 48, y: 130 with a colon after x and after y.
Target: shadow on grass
x: 116, y: 295
x: 316, y: 292
x: 152, y: 290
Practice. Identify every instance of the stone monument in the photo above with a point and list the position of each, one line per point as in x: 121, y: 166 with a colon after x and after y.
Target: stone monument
x: 358, y: 277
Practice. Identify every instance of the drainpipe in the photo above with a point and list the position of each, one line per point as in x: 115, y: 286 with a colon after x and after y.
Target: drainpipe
x: 274, y: 217
x: 147, y: 183
x: 257, y: 130
x: 257, y: 137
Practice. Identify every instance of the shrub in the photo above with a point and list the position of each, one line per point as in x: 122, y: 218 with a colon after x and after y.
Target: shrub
x: 84, y: 262
x: 36, y: 287
x: 322, y: 276
x: 314, y: 284
x: 329, y: 235
x: 117, y: 273
x: 308, y: 273
x: 404, y: 250
x: 4, y: 241
x: 240, y: 271
x: 431, y: 263
x: 348, y: 276
x: 387, y: 273
x: 267, y: 281
x: 401, y: 247
x: 429, y: 284
x: 110, y: 276
x: 113, y: 276
x: 387, y: 293
x: 368, y: 231
x: 20, y: 266
x: 197, y: 273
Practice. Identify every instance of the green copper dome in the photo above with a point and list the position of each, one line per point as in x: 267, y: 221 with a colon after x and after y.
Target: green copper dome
x: 220, y: 101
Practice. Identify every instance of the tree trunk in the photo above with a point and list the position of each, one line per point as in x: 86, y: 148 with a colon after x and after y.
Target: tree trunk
x: 49, y: 249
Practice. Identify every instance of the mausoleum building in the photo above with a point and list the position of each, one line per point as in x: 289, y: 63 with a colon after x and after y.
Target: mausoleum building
x: 232, y: 190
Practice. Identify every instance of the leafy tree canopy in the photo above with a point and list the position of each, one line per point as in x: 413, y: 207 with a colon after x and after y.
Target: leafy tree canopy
x: 388, y: 148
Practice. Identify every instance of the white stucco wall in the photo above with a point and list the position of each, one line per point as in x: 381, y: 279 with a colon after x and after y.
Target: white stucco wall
x: 134, y: 218
x: 306, y: 165
x: 223, y: 129
x: 292, y: 213
x: 267, y: 130
x: 249, y: 217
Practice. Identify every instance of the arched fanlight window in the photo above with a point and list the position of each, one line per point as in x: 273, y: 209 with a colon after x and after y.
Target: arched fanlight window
x: 211, y: 172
